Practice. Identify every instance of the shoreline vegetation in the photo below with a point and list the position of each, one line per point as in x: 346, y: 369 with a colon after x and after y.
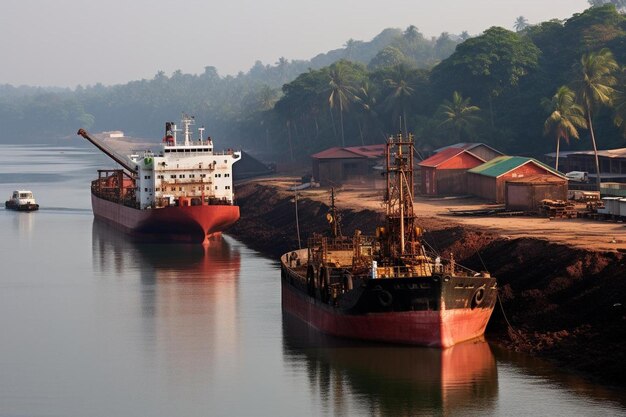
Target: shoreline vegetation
x: 564, y: 303
x: 520, y: 91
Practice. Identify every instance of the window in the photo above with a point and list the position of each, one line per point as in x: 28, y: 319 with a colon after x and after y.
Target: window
x: 227, y: 187
x: 158, y: 189
x: 192, y: 176
x: 145, y: 189
x: 216, y: 187
x: 227, y: 175
x: 173, y: 189
x: 160, y: 177
x: 180, y: 188
x: 181, y: 176
x: 172, y: 176
x: 202, y: 175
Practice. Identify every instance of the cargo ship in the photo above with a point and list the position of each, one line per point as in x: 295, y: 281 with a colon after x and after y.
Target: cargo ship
x: 183, y: 193
x: 389, y: 287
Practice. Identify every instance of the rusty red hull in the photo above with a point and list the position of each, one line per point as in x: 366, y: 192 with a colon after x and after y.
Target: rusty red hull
x: 192, y: 224
x: 440, y: 328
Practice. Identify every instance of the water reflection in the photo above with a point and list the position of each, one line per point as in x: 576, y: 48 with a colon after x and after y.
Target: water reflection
x: 539, y: 371
x: 23, y: 223
x: 188, y: 298
x: 394, y: 381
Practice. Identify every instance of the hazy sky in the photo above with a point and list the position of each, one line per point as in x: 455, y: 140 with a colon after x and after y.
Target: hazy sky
x: 72, y: 42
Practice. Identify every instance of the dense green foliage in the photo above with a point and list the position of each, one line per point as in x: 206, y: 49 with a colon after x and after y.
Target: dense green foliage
x: 487, y: 88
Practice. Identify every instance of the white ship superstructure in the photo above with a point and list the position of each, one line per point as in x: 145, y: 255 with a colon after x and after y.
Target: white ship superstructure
x: 186, y: 172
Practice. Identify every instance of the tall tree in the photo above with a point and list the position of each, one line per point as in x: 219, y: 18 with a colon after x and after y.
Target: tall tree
x: 458, y: 115
x: 521, y: 23
x: 399, y: 91
x: 487, y: 66
x: 341, y: 93
x: 566, y: 116
x: 594, y: 88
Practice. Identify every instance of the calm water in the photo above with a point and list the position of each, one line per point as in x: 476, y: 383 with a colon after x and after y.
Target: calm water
x: 93, y: 324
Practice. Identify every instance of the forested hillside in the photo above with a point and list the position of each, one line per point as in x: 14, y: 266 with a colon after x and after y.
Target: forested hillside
x: 224, y: 103
x: 518, y: 91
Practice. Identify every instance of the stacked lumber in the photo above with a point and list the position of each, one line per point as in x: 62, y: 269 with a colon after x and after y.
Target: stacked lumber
x: 558, y: 209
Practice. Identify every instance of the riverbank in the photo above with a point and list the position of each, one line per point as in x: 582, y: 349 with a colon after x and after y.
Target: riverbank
x: 565, y: 301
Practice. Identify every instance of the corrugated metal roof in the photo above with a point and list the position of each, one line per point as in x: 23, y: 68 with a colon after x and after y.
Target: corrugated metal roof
x: 445, y: 155
x: 467, y: 146
x: 607, y: 153
x: 366, y: 151
x: 503, y: 164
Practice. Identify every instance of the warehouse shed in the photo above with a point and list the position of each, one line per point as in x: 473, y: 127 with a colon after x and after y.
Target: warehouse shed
x: 489, y: 179
x: 355, y: 164
x: 526, y: 193
x: 444, y: 172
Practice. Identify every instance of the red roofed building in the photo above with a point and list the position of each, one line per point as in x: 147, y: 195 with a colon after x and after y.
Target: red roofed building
x: 343, y: 165
x: 444, y: 172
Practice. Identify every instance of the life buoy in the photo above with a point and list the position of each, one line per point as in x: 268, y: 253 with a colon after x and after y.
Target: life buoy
x: 385, y: 299
x: 478, y: 298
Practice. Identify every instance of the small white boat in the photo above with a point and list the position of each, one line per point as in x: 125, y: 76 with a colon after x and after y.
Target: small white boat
x: 22, y: 200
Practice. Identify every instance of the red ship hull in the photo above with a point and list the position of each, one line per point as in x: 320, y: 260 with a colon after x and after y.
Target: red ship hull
x: 192, y: 224
x: 441, y: 328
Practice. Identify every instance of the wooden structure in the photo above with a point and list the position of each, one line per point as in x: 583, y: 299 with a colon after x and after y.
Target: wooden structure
x: 444, y: 172
x: 612, y: 163
x: 339, y: 165
x: 489, y: 180
x: 557, y: 209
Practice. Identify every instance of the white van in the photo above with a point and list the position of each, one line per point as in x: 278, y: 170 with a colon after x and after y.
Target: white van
x: 578, y: 176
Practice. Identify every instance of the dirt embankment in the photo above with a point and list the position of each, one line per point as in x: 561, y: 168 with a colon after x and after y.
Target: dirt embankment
x: 564, y: 303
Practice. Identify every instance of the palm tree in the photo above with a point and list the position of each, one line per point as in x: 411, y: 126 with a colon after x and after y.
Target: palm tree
x: 458, y: 115
x: 366, y: 103
x: 520, y: 24
x: 594, y: 87
x: 400, y: 90
x: 266, y: 97
x: 565, y: 117
x: 341, y: 94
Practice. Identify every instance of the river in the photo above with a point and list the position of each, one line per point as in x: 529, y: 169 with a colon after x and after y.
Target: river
x: 95, y: 324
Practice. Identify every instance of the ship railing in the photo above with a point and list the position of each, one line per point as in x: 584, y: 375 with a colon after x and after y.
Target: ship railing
x: 448, y: 266
x: 295, y: 259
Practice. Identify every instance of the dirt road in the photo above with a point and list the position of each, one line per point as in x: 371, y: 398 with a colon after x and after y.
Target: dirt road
x: 583, y: 233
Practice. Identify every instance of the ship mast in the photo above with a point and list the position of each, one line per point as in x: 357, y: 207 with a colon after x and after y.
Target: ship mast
x: 402, y: 237
x: 333, y: 216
